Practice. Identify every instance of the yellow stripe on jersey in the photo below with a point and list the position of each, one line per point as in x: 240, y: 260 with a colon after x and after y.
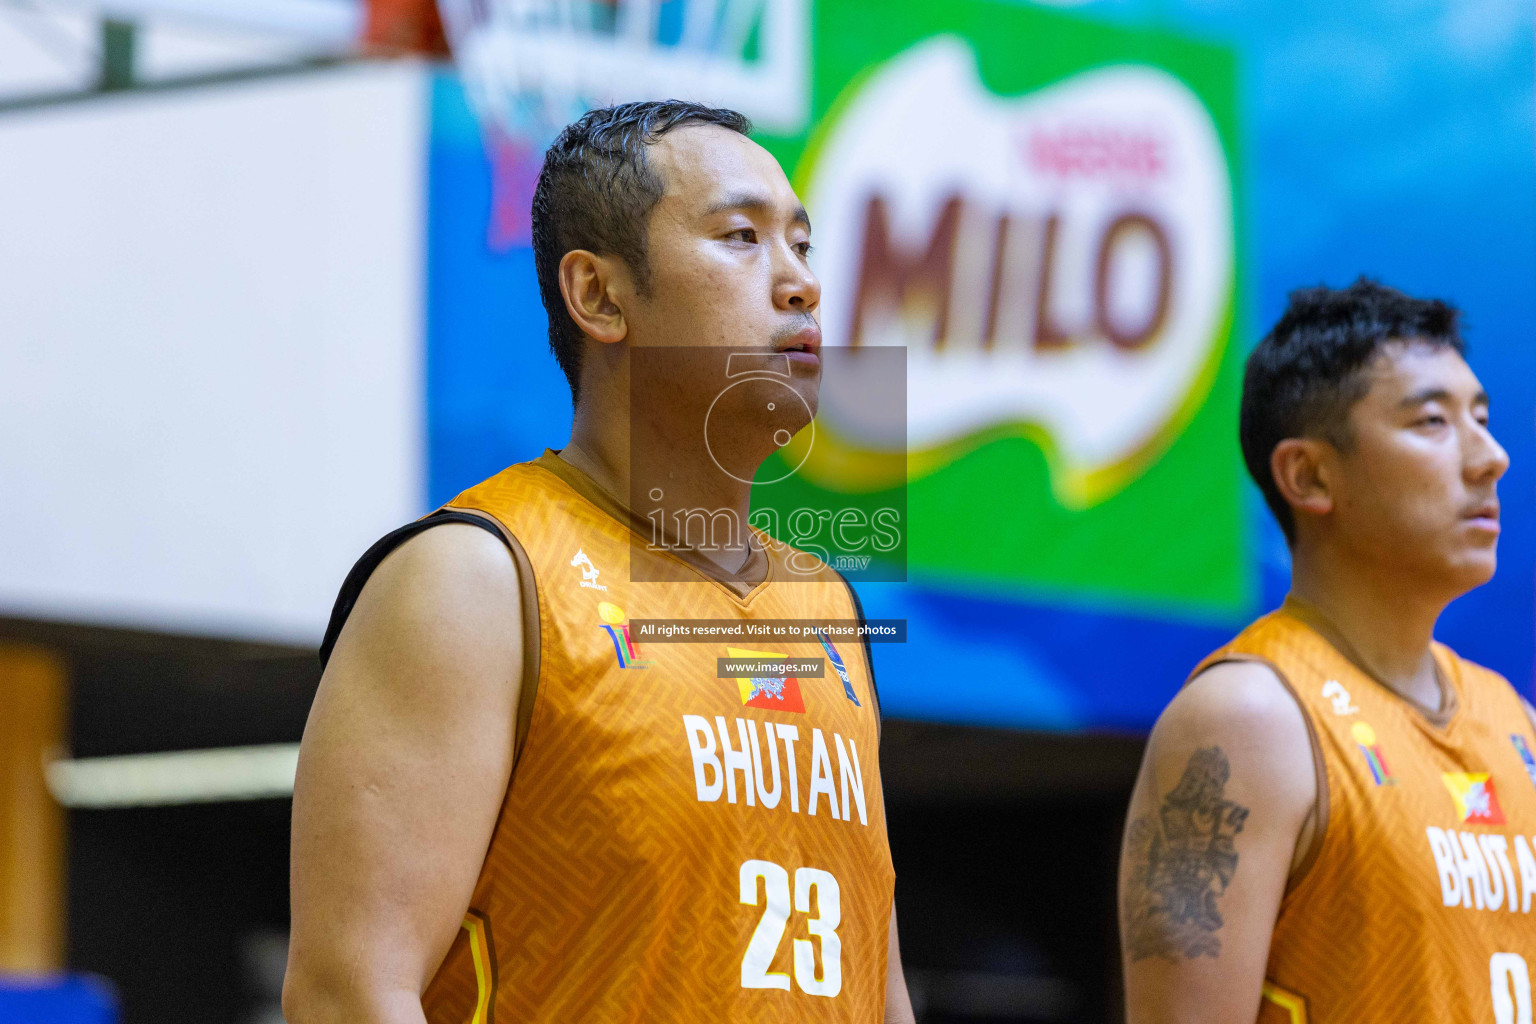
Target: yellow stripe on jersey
x: 1294, y: 1005
x: 480, y: 952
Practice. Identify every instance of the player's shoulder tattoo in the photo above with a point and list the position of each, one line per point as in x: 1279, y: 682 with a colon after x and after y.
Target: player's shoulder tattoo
x: 1181, y: 861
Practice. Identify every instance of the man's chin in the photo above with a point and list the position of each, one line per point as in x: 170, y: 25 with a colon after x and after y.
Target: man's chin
x: 808, y: 387
x: 1473, y: 568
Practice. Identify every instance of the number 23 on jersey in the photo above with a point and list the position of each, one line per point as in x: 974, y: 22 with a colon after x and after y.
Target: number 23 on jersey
x: 768, y: 936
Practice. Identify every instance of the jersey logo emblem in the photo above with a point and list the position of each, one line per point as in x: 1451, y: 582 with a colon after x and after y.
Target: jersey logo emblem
x: 1335, y: 692
x: 772, y: 693
x: 588, y: 571
x: 1476, y: 801
x: 837, y: 663
x: 618, y: 631
x: 1365, y: 737
x: 1523, y: 749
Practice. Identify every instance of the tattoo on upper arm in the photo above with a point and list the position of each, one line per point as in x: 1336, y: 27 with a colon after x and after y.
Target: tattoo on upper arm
x: 1182, y: 861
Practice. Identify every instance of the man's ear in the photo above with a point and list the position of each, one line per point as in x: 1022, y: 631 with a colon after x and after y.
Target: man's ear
x: 591, y: 285
x: 1303, y: 470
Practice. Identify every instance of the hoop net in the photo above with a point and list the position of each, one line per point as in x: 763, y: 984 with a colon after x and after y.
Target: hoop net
x: 533, y: 66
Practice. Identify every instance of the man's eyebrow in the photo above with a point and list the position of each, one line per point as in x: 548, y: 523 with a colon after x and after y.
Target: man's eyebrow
x: 753, y: 202
x: 1429, y: 394
x: 1439, y: 394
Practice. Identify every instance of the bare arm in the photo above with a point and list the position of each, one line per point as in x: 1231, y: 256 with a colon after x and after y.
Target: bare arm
x: 898, y: 1003
x: 402, y: 771
x: 1222, y: 813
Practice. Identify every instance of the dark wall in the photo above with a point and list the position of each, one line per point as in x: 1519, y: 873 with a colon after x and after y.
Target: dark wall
x: 184, y: 909
x: 1005, y: 847
x: 181, y: 907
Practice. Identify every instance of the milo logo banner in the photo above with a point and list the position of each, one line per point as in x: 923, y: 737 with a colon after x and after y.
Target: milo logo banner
x: 1025, y: 446
x: 1040, y: 210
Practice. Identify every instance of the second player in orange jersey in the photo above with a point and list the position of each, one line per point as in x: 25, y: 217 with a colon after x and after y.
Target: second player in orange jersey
x: 509, y: 808
x: 1336, y: 818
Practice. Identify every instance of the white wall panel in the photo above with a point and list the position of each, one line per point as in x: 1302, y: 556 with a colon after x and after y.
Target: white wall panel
x: 210, y: 348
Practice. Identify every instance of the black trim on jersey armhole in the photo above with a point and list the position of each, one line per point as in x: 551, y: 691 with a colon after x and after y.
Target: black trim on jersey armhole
x: 869, y: 654
x: 352, y: 587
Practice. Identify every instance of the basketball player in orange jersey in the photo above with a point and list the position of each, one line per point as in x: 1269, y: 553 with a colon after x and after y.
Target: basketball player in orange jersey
x: 1335, y: 817
x: 506, y: 808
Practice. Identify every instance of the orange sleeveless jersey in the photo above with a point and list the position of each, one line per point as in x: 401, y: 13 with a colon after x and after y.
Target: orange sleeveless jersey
x: 1420, y: 901
x: 673, y: 846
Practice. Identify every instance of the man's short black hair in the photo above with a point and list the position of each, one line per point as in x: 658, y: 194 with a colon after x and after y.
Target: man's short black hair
x: 596, y: 192
x: 1308, y: 372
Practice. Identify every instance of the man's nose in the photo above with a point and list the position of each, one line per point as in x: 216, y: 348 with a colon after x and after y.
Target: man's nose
x: 796, y: 287
x: 1486, y: 459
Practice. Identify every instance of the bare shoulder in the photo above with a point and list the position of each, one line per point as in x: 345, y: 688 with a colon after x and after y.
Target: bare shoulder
x: 1221, y: 815
x: 402, y: 771
x: 449, y: 558
x: 447, y: 598
x: 1238, y: 700
x: 1239, y: 719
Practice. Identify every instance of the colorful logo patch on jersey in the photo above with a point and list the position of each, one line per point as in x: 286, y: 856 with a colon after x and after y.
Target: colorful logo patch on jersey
x: 1524, y: 750
x: 1365, y: 736
x: 768, y: 692
x: 837, y: 663
x: 1476, y: 801
x: 618, y: 631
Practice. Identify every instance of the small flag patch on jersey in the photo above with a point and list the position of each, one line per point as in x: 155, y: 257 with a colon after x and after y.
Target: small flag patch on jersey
x: 1524, y: 750
x: 1476, y: 801
x: 770, y: 692
x: 1365, y: 737
x: 837, y: 663
x: 618, y: 631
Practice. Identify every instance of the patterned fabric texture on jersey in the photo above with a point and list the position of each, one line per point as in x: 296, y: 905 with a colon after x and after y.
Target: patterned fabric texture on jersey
x: 673, y: 846
x: 1418, y: 902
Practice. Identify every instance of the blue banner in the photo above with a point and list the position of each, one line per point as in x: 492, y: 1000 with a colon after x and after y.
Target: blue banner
x: 1367, y: 140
